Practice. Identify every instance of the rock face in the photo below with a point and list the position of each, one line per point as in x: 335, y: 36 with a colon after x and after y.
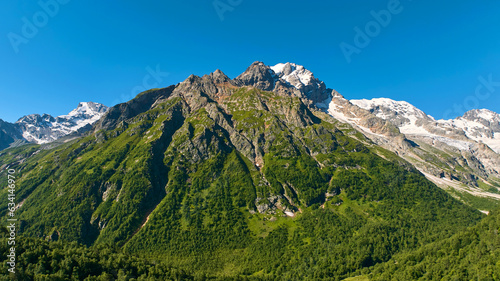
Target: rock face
x: 303, y: 80
x: 9, y: 134
x: 45, y: 128
x: 120, y: 112
x: 286, y: 79
x: 257, y: 75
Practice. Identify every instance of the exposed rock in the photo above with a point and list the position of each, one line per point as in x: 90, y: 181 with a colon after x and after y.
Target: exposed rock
x: 257, y: 75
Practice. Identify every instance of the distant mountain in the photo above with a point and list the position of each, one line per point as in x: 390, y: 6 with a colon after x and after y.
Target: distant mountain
x: 479, y: 125
x: 9, y: 134
x: 461, y: 154
x: 45, y: 128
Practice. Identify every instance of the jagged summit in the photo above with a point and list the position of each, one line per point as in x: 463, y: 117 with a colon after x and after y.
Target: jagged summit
x: 35, y: 119
x: 257, y: 75
x: 295, y: 74
x: 401, y: 113
x: 303, y: 80
x: 482, y: 115
x: 45, y: 128
x: 219, y: 77
x: 480, y: 125
x: 88, y: 109
x: 285, y: 78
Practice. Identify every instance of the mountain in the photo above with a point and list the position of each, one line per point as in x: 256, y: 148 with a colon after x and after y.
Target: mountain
x: 230, y: 179
x: 458, y: 155
x: 288, y: 78
x: 8, y: 134
x: 481, y: 125
x: 478, y: 125
x: 41, y: 129
x: 303, y: 80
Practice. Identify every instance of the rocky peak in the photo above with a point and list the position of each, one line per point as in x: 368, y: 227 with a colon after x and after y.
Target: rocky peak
x: 191, y: 79
x: 88, y: 109
x: 219, y: 77
x: 303, y: 80
x: 485, y: 117
x: 257, y: 75
x: 284, y: 79
x: 197, y: 91
x: 481, y: 114
x: 36, y: 119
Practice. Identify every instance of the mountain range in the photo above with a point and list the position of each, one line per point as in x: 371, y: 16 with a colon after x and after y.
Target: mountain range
x: 41, y: 129
x: 460, y: 155
x: 267, y: 176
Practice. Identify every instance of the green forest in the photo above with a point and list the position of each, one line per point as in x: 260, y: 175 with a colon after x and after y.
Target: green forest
x: 471, y: 254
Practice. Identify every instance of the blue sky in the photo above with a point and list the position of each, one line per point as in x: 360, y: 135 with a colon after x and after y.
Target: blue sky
x: 433, y: 55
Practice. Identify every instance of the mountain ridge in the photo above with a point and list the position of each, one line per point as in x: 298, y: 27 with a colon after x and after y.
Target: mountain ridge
x: 451, y: 153
x: 42, y: 129
x: 455, y: 154
x: 264, y: 181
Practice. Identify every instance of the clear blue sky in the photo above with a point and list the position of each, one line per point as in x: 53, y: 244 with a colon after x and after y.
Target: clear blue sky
x: 430, y: 54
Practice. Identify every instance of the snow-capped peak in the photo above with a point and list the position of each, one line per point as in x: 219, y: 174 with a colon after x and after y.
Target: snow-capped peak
x: 301, y: 79
x: 45, y: 128
x: 405, y: 116
x: 401, y: 108
x: 88, y: 109
x: 479, y: 125
x: 295, y: 74
x: 484, y: 114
